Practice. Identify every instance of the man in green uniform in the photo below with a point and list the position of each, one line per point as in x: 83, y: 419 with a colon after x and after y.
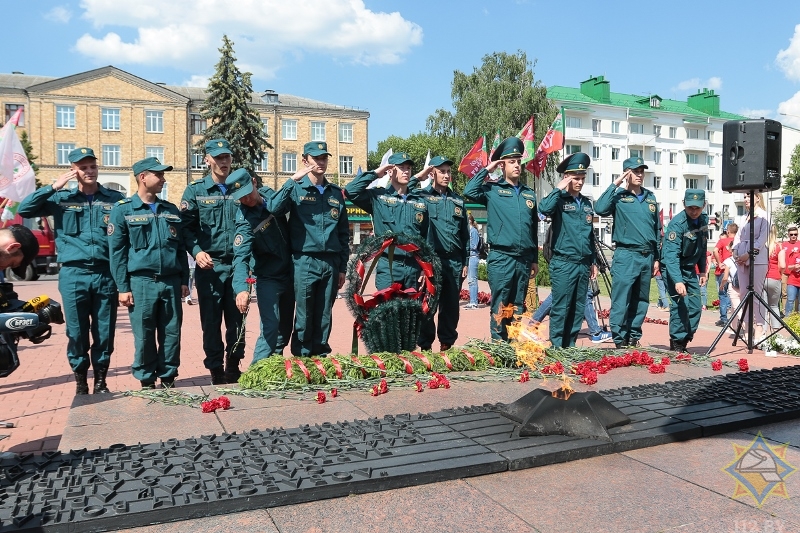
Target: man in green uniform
x: 450, y: 231
x: 684, y: 247
x: 80, y: 218
x: 573, y: 246
x: 636, y: 232
x: 209, y: 217
x: 150, y: 268
x: 396, y: 209
x: 512, y: 228
x: 262, y: 242
x: 319, y: 238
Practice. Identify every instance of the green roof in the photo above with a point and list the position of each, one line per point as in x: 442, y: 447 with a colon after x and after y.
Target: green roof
x: 635, y: 102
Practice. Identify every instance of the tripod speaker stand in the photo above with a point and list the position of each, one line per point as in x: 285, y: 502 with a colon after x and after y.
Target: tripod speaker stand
x: 747, y: 304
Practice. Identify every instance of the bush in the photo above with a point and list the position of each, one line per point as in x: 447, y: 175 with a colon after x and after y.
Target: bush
x: 482, y: 271
x: 543, y: 278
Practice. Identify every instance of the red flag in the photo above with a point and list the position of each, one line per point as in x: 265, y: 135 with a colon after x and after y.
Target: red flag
x: 661, y: 220
x: 475, y: 159
x: 670, y: 212
x: 553, y: 141
x: 526, y: 135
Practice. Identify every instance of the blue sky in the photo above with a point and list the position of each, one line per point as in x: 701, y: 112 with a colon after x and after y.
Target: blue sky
x: 396, y: 58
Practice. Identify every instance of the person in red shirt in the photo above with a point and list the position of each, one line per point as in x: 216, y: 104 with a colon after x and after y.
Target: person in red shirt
x: 772, y: 285
x: 791, y: 250
x: 721, y: 253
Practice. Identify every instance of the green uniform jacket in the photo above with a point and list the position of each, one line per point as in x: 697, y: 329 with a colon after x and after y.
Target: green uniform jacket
x: 390, y: 212
x: 209, y: 218
x: 80, y: 227
x: 685, y: 245
x: 573, y: 233
x: 144, y: 243
x: 513, y: 223
x: 636, y: 223
x: 317, y: 222
x: 449, y: 225
x: 262, y: 240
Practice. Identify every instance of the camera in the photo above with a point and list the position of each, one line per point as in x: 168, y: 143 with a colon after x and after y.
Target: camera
x: 19, y: 319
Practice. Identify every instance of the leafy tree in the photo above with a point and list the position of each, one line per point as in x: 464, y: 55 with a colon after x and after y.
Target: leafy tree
x: 500, y: 95
x: 25, y: 141
x: 227, y: 108
x: 790, y: 214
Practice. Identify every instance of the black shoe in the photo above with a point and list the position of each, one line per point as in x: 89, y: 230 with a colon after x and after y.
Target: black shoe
x: 146, y: 385
x: 679, y: 347
x: 81, y: 383
x: 634, y: 344
x: 100, y: 386
x: 232, y: 372
x: 167, y: 383
x: 218, y: 376
x: 720, y: 323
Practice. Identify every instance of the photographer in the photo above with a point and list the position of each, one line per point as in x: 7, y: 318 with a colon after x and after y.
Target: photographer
x: 18, y: 247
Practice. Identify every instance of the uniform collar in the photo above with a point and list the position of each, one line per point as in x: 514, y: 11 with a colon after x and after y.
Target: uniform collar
x: 306, y: 183
x: 581, y: 197
x: 504, y: 183
x: 209, y: 183
x: 137, y: 202
x: 431, y: 190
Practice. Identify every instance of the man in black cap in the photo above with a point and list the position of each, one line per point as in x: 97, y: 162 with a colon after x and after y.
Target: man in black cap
x: 18, y: 247
x: 512, y: 227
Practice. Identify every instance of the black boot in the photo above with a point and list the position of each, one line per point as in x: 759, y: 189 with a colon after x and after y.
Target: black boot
x: 81, y: 385
x: 218, y: 376
x: 100, y: 386
x: 232, y: 372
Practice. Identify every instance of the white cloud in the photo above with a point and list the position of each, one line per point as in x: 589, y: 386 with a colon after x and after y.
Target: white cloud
x: 714, y: 82
x: 59, y: 14
x: 788, y: 60
x: 757, y: 113
x: 196, y: 81
x: 789, y: 111
x: 263, y: 31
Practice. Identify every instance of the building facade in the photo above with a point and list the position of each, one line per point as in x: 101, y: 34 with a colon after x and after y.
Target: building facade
x: 125, y: 118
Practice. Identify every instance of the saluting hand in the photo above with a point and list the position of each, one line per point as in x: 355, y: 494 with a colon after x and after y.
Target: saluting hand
x: 493, y: 165
x: 564, y: 183
x: 623, y: 177
x: 424, y: 173
x: 65, y: 178
x: 381, y: 170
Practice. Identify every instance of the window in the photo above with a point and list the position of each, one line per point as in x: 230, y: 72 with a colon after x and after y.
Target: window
x: 710, y: 160
x: 65, y: 116
x: 573, y: 149
x: 154, y: 151
x: 11, y: 109
x: 740, y: 210
x: 692, y: 133
x: 573, y: 122
x: 110, y: 119
x: 289, y: 130
x: 163, y: 194
x: 673, y: 183
x: 709, y: 184
x: 596, y: 125
x: 595, y: 152
x: 673, y: 132
x: 691, y: 183
x: 709, y: 209
x: 596, y: 179
x: 657, y: 131
x: 656, y: 182
x: 198, y: 160
x: 614, y: 126
x: 635, y: 152
x: 154, y: 121
x: 62, y: 151
x: 317, y: 131
x: 345, y: 164
x: 614, y: 154
x: 345, y: 132
x: 263, y: 165
x: 710, y: 136
x: 633, y: 127
x: 673, y: 158
x: 692, y: 159
x: 614, y: 177
x: 673, y: 208
x: 657, y: 157
x: 198, y: 124
x: 111, y: 155
x: 289, y: 162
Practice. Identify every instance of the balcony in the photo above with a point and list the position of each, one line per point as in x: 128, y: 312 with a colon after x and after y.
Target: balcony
x: 578, y: 134
x: 695, y: 169
x: 700, y: 145
x: 641, y: 139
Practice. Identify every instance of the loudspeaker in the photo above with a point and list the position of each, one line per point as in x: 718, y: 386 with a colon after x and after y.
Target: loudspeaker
x: 751, y: 155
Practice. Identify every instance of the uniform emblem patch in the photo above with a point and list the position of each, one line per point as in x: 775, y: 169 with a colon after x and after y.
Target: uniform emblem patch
x: 588, y: 219
x: 652, y: 208
x: 237, y: 241
x: 106, y: 219
x: 672, y: 236
x: 110, y: 229
x: 184, y: 205
x: 529, y: 203
x: 334, y: 213
x: 458, y: 211
x: 173, y: 231
x: 419, y: 218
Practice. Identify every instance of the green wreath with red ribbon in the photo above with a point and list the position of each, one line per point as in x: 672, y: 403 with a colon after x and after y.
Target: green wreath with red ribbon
x: 389, y: 320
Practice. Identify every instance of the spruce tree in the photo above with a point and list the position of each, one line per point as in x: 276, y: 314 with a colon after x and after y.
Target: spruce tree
x: 228, y: 112
x: 25, y: 141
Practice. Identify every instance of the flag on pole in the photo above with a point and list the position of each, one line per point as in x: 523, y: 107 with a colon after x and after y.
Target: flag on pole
x: 670, y: 212
x: 552, y: 142
x: 475, y: 159
x: 498, y: 172
x: 382, y: 181
x: 17, y: 179
x: 526, y: 135
x: 424, y: 183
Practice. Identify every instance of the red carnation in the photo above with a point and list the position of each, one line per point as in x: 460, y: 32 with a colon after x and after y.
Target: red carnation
x: 321, y: 398
x: 384, y: 388
x: 665, y: 361
x: 209, y: 407
x: 743, y: 366
x: 250, y: 281
x: 656, y: 369
x: 716, y: 365
x: 375, y: 391
x: 419, y: 385
x: 224, y: 403
x: 589, y: 378
x: 524, y: 376
x: 334, y: 393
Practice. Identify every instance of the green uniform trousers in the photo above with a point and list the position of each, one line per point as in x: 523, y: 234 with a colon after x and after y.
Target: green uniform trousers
x: 90, y: 301
x: 276, y: 310
x: 316, y: 280
x: 217, y: 301
x: 569, y: 282
x: 156, y: 317
x: 684, y: 313
x: 449, y: 298
x: 631, y: 273
x: 508, y: 280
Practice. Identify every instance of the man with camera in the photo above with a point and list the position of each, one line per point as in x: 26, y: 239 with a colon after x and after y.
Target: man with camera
x: 81, y: 217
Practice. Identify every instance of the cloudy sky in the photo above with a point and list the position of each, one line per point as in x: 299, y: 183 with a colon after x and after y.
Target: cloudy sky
x: 396, y: 58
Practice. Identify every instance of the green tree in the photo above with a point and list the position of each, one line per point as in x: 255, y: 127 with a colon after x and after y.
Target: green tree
x: 500, y: 95
x: 417, y: 146
x: 227, y: 109
x: 25, y: 141
x: 790, y: 214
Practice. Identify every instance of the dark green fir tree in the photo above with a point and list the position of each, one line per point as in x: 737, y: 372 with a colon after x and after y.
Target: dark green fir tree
x: 25, y: 141
x: 228, y: 112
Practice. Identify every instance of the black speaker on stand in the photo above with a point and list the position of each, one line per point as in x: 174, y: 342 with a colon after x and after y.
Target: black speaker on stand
x: 751, y: 161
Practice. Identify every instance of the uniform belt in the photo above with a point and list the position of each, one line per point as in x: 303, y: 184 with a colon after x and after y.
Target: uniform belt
x: 222, y: 261
x: 97, y: 267
x: 644, y: 250
x: 155, y: 277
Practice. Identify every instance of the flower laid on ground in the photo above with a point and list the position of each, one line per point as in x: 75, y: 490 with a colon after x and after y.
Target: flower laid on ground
x: 684, y: 357
x: 659, y: 321
x: 381, y: 388
x: 556, y: 368
x: 589, y: 377
x: 438, y: 380
x: 524, y: 376
x: 321, y: 398
x: 376, y: 391
x: 665, y: 361
x: 716, y: 365
x: 218, y: 403
x: 783, y: 345
x: 743, y: 366
x: 418, y: 384
x: 656, y: 368
x: 483, y: 297
x: 334, y: 393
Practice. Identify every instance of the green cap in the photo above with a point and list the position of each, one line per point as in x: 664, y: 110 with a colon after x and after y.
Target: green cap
x: 511, y: 147
x: 439, y: 160
x: 80, y: 153
x: 239, y: 183
x: 316, y: 148
x: 216, y: 147
x: 633, y: 162
x: 149, y: 163
x: 694, y: 198
x: 578, y: 162
x: 399, y: 158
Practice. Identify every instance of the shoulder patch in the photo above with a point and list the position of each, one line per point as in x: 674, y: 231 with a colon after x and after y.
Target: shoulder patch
x: 200, y: 180
x: 184, y: 205
x: 672, y: 236
x: 110, y: 229
x: 237, y: 241
x: 124, y: 201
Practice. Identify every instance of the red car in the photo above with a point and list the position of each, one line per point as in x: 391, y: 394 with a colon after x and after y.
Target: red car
x: 46, y: 262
